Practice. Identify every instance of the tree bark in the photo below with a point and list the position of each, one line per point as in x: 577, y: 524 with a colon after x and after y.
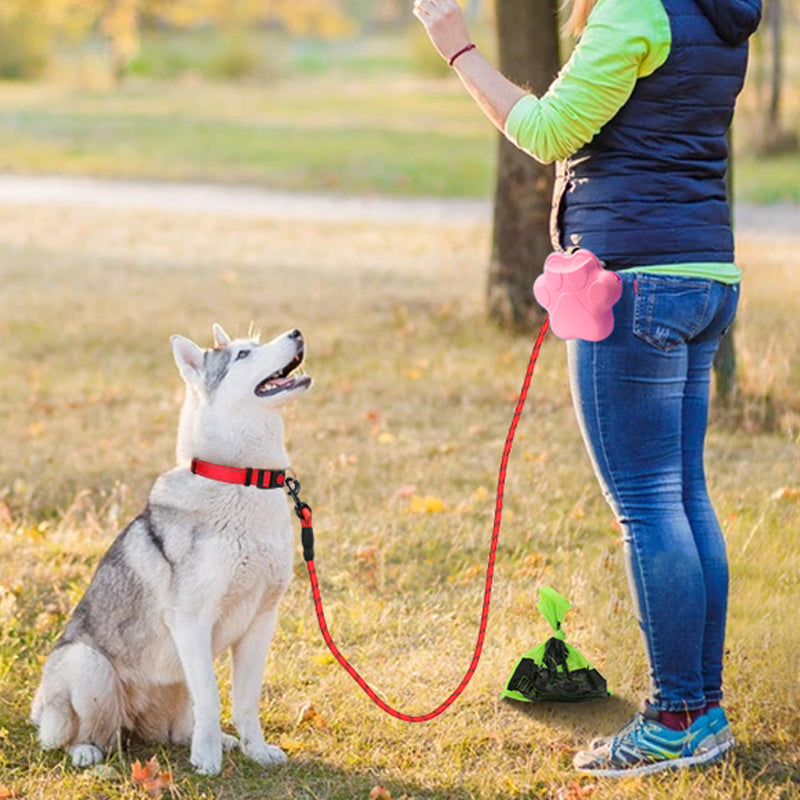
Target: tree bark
x: 775, y: 17
x: 725, y: 374
x: 528, y: 40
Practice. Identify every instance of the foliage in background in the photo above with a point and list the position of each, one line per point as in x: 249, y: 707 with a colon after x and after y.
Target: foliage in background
x: 25, y: 39
x: 29, y: 29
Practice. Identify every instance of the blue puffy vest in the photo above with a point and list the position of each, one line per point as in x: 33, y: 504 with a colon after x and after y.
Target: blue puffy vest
x: 650, y: 189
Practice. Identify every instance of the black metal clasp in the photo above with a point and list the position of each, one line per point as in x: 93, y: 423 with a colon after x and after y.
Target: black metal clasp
x: 303, y: 511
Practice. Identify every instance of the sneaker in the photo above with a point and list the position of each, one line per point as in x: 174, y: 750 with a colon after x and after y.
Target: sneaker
x: 721, y: 729
x: 644, y: 746
x: 717, y: 721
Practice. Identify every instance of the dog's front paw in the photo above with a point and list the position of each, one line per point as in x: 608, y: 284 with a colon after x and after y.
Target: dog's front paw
x: 207, y: 764
x: 206, y: 754
x: 265, y: 754
x: 85, y: 755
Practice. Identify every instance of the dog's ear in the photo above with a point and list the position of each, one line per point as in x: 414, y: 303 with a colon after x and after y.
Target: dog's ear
x: 220, y: 337
x: 189, y: 358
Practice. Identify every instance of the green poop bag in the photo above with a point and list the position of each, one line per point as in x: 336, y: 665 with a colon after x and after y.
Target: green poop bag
x: 554, y: 670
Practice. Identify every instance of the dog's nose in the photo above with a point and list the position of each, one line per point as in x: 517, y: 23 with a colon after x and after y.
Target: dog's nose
x: 295, y: 334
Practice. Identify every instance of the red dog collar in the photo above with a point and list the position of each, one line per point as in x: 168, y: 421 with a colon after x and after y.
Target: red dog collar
x: 244, y: 476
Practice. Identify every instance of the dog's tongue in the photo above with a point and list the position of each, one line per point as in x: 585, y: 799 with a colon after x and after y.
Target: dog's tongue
x: 273, y: 385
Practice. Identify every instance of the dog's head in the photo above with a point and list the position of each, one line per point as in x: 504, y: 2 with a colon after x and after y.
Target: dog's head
x: 241, y: 373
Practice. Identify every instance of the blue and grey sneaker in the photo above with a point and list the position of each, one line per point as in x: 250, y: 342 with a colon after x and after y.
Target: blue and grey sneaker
x: 644, y: 746
x: 721, y: 729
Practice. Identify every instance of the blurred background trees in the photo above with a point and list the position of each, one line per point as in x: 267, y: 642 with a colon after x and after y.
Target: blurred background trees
x: 31, y: 31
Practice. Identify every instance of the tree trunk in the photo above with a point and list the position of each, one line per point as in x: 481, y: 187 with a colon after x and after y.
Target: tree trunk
x: 775, y: 18
x: 725, y: 375
x: 528, y: 39
x: 777, y: 138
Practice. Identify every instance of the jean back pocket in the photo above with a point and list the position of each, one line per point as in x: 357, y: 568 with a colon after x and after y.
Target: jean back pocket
x: 670, y: 311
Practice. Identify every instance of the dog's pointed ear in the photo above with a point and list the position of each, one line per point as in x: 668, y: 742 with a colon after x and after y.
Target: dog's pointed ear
x: 189, y: 358
x: 220, y: 337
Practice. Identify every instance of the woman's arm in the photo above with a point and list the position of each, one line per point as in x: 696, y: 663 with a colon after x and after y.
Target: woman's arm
x: 444, y: 24
x: 624, y: 41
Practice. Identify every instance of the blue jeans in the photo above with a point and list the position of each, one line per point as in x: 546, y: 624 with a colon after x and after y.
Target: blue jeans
x: 641, y: 397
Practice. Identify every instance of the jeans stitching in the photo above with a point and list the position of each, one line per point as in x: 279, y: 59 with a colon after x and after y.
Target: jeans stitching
x: 644, y: 311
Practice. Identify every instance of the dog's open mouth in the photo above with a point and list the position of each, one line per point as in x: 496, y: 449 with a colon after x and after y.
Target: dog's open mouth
x: 292, y: 376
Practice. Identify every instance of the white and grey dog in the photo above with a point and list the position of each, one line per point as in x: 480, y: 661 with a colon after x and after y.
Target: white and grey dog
x: 201, y: 569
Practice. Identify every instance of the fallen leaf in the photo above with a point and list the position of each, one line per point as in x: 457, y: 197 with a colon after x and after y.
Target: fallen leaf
x: 426, y: 505
x: 480, y: 494
x: 150, y: 777
x: 35, y: 429
x: 291, y: 746
x: 786, y: 493
x: 368, y: 555
x: 535, y: 458
x: 310, y: 716
x: 380, y: 793
x: 574, y: 791
x: 5, y: 792
x: 409, y: 490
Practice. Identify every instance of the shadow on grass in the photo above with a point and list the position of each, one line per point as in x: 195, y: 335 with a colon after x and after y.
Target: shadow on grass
x: 764, y: 763
x: 51, y: 775
x: 611, y: 713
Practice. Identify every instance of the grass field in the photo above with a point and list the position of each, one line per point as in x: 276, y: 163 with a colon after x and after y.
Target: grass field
x: 413, y: 394
x: 362, y: 116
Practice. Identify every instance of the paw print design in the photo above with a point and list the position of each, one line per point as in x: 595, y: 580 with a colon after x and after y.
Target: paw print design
x: 578, y: 294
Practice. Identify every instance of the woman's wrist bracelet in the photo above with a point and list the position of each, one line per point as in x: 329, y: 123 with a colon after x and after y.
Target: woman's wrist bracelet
x: 466, y: 49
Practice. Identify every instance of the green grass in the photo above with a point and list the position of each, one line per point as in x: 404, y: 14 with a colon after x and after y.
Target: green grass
x: 318, y: 135
x: 412, y: 387
x: 361, y: 116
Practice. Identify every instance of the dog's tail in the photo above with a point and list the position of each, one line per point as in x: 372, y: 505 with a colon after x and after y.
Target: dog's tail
x: 79, y: 700
x: 56, y: 720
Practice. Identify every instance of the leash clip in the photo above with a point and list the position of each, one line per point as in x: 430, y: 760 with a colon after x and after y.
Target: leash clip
x: 303, y: 511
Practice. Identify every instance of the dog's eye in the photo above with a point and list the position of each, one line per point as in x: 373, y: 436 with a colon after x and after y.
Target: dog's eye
x: 242, y: 354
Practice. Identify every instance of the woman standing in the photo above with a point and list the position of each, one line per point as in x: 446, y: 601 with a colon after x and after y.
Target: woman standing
x: 637, y: 120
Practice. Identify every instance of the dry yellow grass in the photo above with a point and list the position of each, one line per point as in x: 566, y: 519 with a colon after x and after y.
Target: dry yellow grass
x: 412, y: 388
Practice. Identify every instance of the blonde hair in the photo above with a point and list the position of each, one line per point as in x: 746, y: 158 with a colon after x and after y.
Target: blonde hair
x: 576, y: 21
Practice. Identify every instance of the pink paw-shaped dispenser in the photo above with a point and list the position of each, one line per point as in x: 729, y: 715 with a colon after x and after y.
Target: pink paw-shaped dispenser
x: 578, y: 295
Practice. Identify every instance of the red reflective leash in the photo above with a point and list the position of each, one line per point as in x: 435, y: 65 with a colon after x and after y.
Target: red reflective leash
x: 303, y: 511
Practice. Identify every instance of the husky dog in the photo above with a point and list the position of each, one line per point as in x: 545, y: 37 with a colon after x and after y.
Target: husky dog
x: 201, y: 569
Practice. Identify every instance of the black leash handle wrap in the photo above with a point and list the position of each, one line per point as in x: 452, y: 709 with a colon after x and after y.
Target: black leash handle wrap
x: 303, y: 511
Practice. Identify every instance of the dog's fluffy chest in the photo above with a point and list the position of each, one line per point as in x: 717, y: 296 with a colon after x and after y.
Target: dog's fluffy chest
x: 231, y: 549
x: 254, y: 557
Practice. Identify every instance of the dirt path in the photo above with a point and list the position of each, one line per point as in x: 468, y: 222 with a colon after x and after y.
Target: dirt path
x: 771, y: 222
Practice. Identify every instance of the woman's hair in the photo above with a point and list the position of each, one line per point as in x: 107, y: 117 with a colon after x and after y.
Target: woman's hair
x: 576, y: 21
